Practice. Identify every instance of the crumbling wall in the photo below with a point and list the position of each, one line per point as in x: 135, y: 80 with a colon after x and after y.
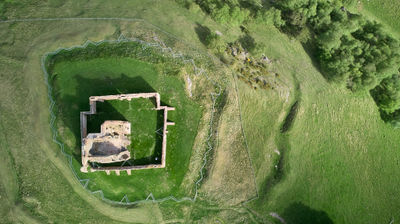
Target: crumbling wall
x: 83, y: 126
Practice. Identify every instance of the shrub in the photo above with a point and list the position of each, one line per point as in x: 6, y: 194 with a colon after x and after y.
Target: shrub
x: 387, y: 94
x: 225, y: 12
x: 271, y: 16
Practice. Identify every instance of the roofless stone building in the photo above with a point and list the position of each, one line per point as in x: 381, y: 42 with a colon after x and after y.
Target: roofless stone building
x: 110, y: 145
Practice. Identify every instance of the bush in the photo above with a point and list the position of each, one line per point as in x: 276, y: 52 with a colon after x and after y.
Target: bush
x: 350, y: 49
x: 225, y: 12
x: 214, y: 42
x: 387, y: 94
x: 271, y: 16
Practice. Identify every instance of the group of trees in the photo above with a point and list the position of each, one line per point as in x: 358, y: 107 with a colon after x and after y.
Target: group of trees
x: 225, y: 11
x: 350, y: 49
x: 360, y: 54
x: 387, y: 94
x: 237, y: 12
x: 387, y: 97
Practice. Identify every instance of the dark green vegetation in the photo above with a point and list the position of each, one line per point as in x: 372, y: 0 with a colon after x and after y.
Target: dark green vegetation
x: 351, y: 50
x: 229, y: 12
x: 235, y: 13
x: 146, y: 127
x: 387, y: 94
x: 287, y: 124
x: 301, y: 214
x: 94, y: 72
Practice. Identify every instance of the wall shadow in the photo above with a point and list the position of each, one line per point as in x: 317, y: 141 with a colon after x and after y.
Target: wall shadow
x: 298, y: 213
x: 155, y: 158
x: 70, y: 106
x: 104, y: 111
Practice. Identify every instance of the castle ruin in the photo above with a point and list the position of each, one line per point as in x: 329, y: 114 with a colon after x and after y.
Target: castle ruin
x: 110, y: 145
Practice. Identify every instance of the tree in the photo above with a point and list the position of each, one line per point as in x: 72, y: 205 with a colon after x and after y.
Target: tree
x: 387, y: 94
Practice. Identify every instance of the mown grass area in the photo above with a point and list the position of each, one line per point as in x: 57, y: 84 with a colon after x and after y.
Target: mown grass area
x: 229, y: 177
x: 76, y: 81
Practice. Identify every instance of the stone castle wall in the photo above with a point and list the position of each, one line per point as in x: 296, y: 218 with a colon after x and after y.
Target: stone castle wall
x: 128, y: 169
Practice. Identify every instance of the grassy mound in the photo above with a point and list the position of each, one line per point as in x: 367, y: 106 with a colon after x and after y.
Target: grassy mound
x: 76, y: 80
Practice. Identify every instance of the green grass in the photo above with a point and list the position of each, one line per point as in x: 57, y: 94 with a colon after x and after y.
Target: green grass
x: 341, y: 163
x: 39, y: 186
x: 146, y: 126
x: 337, y: 165
x: 76, y: 81
x: 385, y: 11
x: 340, y: 154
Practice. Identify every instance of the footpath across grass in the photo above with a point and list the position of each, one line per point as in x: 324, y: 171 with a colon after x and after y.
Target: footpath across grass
x: 76, y: 81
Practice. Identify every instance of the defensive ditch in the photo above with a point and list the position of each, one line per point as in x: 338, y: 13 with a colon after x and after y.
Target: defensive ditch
x: 136, y: 71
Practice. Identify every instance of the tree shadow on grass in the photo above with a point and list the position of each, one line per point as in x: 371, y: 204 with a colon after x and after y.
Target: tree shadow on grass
x: 247, y: 42
x: 312, y: 50
x: 202, y: 32
x: 298, y: 213
x: 70, y: 106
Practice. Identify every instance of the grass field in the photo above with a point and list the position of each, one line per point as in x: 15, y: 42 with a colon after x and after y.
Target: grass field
x: 341, y: 157
x: 386, y: 11
x: 338, y: 162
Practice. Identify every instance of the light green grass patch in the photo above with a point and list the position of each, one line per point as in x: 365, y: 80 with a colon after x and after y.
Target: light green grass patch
x: 387, y: 11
